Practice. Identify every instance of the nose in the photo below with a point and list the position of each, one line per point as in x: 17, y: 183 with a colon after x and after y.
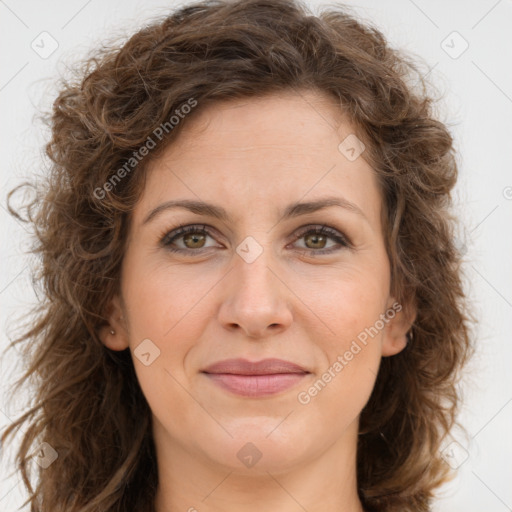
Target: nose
x: 256, y: 299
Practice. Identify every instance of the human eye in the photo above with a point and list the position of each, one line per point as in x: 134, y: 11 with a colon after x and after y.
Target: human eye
x: 317, y: 237
x: 193, y: 238
x: 188, y: 239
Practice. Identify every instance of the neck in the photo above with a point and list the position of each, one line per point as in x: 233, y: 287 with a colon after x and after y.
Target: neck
x: 191, y: 482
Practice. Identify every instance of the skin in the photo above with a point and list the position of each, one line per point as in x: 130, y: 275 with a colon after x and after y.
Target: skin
x: 254, y: 157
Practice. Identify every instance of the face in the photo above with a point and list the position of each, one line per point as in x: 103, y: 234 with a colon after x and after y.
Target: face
x: 307, y: 285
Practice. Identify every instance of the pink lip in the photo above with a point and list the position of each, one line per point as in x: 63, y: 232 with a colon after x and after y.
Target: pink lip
x: 260, y: 378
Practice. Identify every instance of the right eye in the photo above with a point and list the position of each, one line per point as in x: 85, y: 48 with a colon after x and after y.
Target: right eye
x: 192, y: 238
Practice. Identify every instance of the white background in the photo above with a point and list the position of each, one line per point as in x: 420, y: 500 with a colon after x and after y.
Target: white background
x: 477, y: 87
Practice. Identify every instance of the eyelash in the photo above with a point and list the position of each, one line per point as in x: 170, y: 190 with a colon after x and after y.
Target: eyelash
x: 170, y: 236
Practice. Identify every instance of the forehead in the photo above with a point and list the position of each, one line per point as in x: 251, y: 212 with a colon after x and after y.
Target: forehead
x: 284, y: 118
x: 262, y: 152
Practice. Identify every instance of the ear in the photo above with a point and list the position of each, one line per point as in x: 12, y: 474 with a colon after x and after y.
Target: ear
x: 399, y: 323
x: 117, y: 325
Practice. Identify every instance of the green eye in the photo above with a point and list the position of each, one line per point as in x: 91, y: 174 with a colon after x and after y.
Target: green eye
x: 193, y: 239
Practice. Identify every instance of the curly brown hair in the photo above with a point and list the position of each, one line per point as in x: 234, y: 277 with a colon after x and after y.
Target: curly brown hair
x: 88, y: 405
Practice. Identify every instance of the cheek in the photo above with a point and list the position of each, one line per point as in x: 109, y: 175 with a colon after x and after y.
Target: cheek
x: 172, y: 406
x: 351, y: 352
x: 348, y: 312
x: 335, y: 398
x: 163, y: 299
x: 168, y: 307
x: 344, y: 305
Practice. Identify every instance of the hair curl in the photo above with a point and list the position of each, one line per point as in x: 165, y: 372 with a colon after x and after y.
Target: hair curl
x: 88, y: 405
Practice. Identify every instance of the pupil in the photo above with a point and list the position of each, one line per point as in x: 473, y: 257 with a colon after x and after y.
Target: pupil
x: 194, y: 238
x: 197, y: 238
x: 317, y: 238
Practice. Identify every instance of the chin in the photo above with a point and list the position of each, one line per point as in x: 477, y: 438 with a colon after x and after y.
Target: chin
x: 261, y: 446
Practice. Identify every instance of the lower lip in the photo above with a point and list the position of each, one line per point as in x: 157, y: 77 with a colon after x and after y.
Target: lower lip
x: 256, y: 385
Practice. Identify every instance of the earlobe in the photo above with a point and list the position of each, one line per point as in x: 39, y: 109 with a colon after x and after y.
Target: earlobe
x: 114, y: 335
x: 394, y: 344
x: 398, y: 331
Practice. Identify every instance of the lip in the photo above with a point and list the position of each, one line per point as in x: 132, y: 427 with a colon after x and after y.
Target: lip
x: 258, y: 378
x: 264, y: 367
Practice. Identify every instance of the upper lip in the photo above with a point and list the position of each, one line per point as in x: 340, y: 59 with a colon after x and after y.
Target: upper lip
x: 263, y: 367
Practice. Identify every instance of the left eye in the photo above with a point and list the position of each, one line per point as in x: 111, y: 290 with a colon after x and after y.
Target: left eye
x: 318, y: 236
x: 193, y: 238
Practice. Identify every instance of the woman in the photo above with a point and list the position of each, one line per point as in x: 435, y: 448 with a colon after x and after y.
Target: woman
x: 252, y: 294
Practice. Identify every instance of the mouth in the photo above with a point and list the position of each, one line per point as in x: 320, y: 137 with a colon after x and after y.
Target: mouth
x: 254, y: 379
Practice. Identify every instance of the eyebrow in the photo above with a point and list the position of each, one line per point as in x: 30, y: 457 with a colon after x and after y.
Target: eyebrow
x: 292, y: 210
